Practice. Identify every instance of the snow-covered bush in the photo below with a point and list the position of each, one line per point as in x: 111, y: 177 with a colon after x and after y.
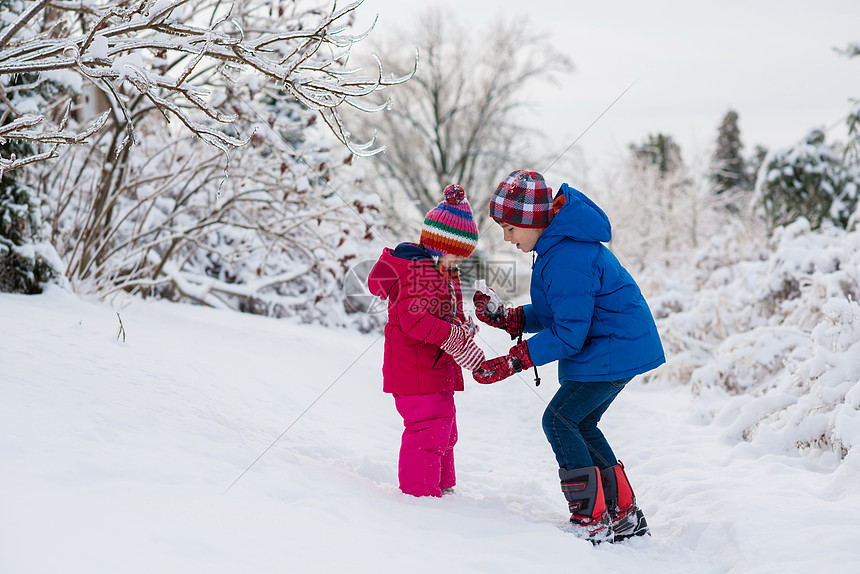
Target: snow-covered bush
x: 776, y: 324
x: 274, y: 234
x: 705, y: 296
x: 265, y: 219
x: 807, y: 180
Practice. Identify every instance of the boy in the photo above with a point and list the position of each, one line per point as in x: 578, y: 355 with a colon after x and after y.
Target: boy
x: 590, y: 316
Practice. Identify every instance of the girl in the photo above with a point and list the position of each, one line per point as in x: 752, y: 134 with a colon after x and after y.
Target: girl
x: 590, y: 316
x: 427, y: 340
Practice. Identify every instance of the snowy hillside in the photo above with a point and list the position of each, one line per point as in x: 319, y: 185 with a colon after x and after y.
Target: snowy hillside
x: 119, y: 457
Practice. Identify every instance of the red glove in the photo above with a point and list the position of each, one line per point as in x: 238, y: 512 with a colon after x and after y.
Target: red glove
x: 462, y: 348
x: 495, y: 370
x: 511, y: 320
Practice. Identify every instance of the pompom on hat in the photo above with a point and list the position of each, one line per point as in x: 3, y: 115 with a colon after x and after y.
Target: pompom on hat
x: 522, y: 199
x: 449, y: 227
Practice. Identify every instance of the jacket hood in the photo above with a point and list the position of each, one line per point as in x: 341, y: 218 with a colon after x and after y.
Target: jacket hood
x: 411, y: 252
x: 384, y: 279
x: 579, y: 219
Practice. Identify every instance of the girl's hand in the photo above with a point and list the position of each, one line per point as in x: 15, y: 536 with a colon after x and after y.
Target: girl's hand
x: 469, y: 325
x: 462, y: 348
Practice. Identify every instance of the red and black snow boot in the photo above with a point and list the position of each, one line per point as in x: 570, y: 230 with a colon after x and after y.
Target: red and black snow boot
x: 583, y: 489
x: 626, y: 519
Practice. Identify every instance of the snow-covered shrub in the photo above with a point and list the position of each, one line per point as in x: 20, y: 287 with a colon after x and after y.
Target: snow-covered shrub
x: 812, y: 405
x: 274, y: 234
x: 698, y: 306
x: 267, y: 218
x: 807, y: 180
x: 777, y: 325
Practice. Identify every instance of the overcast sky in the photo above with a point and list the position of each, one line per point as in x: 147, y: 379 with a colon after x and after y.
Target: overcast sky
x: 691, y: 61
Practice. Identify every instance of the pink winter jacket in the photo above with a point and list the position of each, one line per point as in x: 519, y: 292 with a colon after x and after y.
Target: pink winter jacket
x: 420, y: 308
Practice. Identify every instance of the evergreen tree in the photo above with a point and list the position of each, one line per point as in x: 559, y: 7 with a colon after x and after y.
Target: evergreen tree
x: 727, y: 163
x: 660, y: 151
x: 852, y: 147
x: 23, y: 267
x: 23, y: 263
x: 806, y: 180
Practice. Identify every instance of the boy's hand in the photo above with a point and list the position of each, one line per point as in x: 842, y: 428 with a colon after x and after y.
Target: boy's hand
x: 500, y: 368
x: 462, y: 348
x: 511, y: 320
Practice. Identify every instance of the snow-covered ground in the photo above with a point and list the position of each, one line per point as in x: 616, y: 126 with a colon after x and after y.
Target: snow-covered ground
x: 119, y: 457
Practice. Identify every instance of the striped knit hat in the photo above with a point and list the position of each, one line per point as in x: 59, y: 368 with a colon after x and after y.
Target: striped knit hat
x: 449, y: 227
x: 522, y: 200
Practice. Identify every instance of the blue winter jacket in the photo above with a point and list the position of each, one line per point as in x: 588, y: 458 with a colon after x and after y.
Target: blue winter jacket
x: 587, y: 310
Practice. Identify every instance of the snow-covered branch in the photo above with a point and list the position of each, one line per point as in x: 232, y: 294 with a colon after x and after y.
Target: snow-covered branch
x: 178, y: 55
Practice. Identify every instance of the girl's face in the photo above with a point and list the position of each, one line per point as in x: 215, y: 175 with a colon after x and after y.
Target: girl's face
x: 523, y: 238
x: 449, y: 260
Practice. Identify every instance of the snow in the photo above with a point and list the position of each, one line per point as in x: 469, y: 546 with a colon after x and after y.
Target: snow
x: 495, y: 302
x: 128, y: 65
x: 99, y: 47
x: 72, y: 80
x: 120, y: 456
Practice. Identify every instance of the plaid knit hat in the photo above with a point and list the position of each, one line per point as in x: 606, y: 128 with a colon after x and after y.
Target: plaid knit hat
x: 522, y: 200
x: 449, y: 227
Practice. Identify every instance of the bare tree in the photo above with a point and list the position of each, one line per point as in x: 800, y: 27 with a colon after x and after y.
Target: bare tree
x: 457, y: 120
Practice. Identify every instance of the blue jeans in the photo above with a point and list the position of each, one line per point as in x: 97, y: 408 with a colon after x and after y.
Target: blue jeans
x: 570, y: 423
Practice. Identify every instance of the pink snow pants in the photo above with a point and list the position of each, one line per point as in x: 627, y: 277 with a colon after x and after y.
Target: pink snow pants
x: 427, y: 447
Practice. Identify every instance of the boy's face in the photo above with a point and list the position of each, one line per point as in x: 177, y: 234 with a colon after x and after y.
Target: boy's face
x: 523, y: 238
x: 449, y: 261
